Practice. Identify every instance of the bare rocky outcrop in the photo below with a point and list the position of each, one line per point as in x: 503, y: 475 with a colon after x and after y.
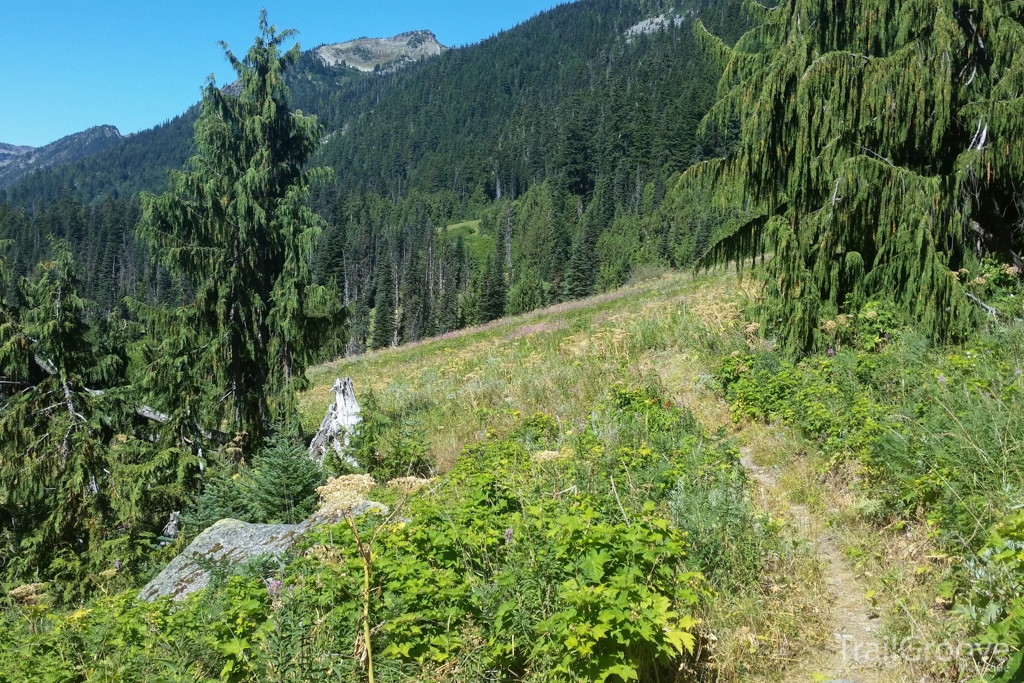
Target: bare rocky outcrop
x: 653, y: 25
x: 387, y: 54
x: 338, y: 426
x: 16, y: 161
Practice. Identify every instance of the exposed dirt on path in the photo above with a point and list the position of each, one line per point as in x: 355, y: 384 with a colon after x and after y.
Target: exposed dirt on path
x: 856, y: 646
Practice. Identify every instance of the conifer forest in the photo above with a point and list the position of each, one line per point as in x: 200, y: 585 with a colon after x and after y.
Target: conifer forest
x: 686, y: 338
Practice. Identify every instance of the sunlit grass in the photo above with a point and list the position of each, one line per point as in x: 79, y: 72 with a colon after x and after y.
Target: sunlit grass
x: 559, y: 361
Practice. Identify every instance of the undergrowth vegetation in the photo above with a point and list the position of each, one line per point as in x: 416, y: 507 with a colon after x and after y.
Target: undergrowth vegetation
x: 554, y: 554
x: 916, y: 435
x: 590, y: 519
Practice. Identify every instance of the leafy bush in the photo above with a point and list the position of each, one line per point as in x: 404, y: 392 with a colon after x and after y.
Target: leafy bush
x: 934, y: 428
x: 389, y: 444
x: 937, y: 432
x: 728, y: 540
x: 509, y: 568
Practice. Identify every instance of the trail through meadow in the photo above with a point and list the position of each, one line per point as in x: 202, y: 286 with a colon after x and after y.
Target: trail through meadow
x: 811, y: 620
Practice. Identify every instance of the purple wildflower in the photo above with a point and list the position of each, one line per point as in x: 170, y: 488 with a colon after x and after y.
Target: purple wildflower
x: 1017, y: 372
x: 508, y: 535
x: 118, y: 565
x: 942, y: 379
x: 831, y: 352
x: 274, y: 588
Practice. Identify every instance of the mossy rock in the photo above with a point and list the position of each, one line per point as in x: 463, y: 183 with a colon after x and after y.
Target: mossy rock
x: 231, y: 540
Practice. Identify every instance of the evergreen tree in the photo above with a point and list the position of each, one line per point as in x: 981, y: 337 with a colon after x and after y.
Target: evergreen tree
x: 493, y: 289
x: 526, y: 295
x: 54, y: 429
x: 384, y: 304
x: 882, y: 143
x: 581, y: 272
x: 574, y: 152
x: 281, y: 486
x: 236, y: 228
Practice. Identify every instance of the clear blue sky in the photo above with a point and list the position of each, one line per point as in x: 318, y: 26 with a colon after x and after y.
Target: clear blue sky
x: 66, y: 65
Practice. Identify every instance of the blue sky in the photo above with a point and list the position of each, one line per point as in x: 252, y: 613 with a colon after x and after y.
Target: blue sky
x: 66, y: 65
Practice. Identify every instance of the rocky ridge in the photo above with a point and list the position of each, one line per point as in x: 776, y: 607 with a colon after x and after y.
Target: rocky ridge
x: 16, y: 161
x: 11, y: 153
x: 386, y: 54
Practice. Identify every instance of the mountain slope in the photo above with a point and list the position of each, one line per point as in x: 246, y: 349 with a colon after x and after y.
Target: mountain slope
x: 496, y: 110
x: 11, y: 153
x: 15, y: 162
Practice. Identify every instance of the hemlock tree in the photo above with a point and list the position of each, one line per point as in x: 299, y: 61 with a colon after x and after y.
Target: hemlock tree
x: 526, y: 295
x: 883, y: 141
x: 281, y: 485
x: 384, y: 328
x: 236, y: 230
x: 55, y: 425
x: 493, y: 295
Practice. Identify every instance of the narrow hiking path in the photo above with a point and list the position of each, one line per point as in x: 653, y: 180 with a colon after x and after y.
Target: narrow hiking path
x: 855, y: 644
x: 850, y: 649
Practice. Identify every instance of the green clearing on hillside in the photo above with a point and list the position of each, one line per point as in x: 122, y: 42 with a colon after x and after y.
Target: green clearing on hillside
x: 589, y: 464
x: 910, y: 450
x: 479, y: 246
x: 558, y: 361
x: 588, y: 526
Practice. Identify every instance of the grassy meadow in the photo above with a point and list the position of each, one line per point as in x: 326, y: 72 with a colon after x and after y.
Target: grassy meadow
x: 635, y: 486
x: 663, y: 334
x: 902, y: 457
x: 557, y: 361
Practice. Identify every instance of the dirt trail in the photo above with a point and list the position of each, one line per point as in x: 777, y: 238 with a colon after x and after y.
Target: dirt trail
x: 855, y: 645
x: 851, y: 651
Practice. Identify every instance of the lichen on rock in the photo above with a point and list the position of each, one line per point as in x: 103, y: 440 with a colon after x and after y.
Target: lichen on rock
x: 231, y: 540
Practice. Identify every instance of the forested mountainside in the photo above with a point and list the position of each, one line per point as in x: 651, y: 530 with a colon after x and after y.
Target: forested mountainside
x: 16, y: 162
x: 561, y: 137
x: 475, y: 99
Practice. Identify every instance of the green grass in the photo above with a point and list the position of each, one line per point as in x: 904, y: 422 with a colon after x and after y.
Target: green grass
x: 497, y: 568
x: 557, y: 361
x: 479, y: 246
x: 660, y: 333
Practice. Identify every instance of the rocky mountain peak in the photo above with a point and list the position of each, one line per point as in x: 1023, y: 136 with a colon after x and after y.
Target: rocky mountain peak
x: 16, y: 161
x: 369, y: 54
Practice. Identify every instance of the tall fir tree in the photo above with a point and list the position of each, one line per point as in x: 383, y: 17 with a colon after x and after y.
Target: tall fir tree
x: 236, y: 228
x: 493, y: 291
x: 581, y: 272
x: 385, y: 306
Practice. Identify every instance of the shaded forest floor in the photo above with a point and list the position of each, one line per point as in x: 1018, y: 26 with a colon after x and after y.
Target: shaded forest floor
x: 820, y: 614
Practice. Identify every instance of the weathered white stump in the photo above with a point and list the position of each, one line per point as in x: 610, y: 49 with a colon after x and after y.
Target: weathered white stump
x: 338, y: 425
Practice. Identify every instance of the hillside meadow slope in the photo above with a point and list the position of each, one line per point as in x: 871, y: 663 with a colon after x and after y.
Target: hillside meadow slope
x: 634, y: 486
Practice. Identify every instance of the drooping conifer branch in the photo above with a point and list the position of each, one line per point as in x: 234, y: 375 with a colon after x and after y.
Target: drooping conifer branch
x: 886, y: 137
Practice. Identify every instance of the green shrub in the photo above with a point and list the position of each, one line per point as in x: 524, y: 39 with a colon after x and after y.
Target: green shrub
x: 938, y: 433
x: 390, y: 444
x: 505, y: 569
x: 277, y: 487
x: 728, y: 540
x: 281, y: 484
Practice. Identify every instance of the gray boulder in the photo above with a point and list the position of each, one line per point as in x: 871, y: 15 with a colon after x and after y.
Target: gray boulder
x: 230, y: 540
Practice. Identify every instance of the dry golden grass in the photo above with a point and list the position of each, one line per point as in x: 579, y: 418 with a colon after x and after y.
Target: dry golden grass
x: 408, y: 485
x: 28, y: 594
x: 559, y: 360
